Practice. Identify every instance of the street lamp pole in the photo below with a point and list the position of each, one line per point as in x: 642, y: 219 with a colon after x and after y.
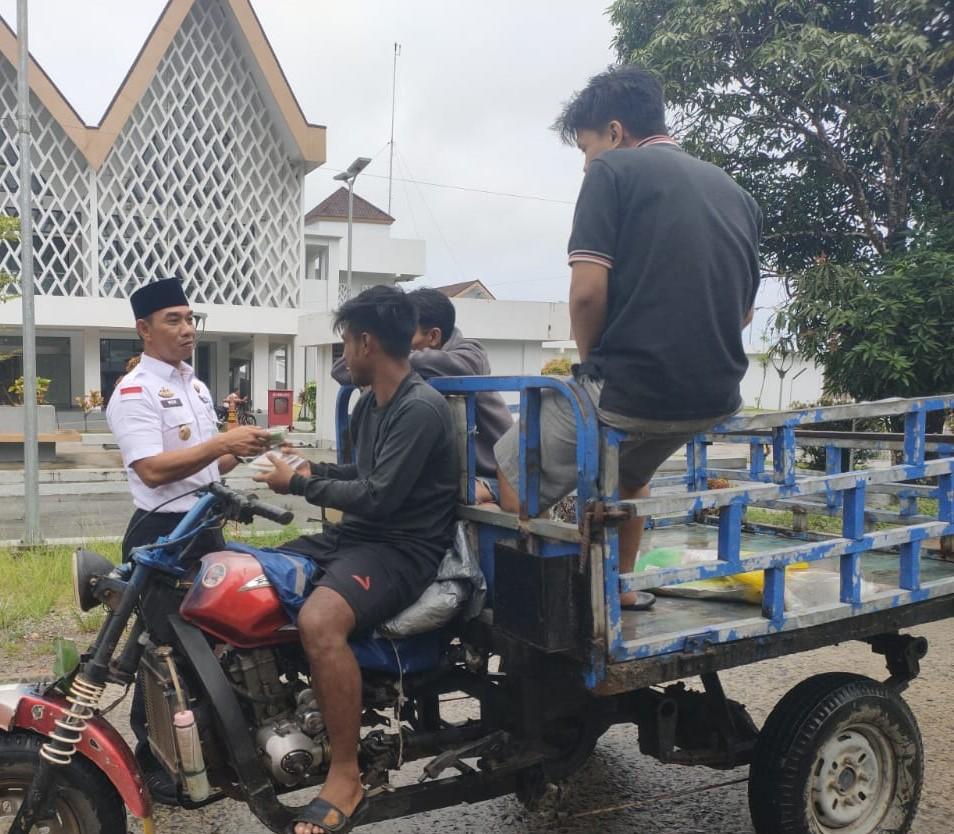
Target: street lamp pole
x: 350, y: 224
x: 349, y: 176
x: 31, y: 467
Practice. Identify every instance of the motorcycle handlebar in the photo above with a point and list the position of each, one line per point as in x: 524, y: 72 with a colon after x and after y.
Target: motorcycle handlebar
x: 277, y: 514
x: 247, y: 506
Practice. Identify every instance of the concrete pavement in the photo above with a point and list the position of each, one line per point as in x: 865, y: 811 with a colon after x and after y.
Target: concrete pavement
x: 84, y: 494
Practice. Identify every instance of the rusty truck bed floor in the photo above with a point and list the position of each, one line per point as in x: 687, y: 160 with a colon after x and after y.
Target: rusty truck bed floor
x: 677, y: 614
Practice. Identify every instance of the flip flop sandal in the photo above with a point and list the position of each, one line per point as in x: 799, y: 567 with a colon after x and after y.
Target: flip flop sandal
x: 644, y: 601
x: 327, y: 817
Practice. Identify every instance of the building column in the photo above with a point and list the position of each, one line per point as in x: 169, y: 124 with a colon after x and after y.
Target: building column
x: 92, y: 379
x: 296, y: 376
x: 219, y: 384
x: 260, y: 371
x: 334, y: 274
x: 326, y: 398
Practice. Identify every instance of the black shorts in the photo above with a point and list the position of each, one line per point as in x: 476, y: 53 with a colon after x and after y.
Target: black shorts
x: 378, y: 580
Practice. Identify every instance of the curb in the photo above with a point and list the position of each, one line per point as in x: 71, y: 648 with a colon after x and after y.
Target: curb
x: 16, y: 544
x: 95, y: 482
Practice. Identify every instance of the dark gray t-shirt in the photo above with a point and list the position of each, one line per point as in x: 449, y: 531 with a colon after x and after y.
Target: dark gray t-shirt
x: 402, y: 487
x: 680, y: 239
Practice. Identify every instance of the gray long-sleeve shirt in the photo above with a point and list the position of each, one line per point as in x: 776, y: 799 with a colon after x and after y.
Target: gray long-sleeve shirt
x: 402, y: 487
x: 460, y: 357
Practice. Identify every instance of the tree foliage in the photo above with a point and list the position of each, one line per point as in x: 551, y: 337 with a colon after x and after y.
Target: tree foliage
x: 558, y: 366
x: 838, y: 116
x: 883, y: 328
x: 9, y: 233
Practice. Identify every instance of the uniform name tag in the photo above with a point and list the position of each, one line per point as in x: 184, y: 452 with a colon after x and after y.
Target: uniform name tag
x: 175, y: 402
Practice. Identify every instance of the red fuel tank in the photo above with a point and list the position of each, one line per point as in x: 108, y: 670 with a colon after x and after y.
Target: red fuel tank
x: 232, y: 600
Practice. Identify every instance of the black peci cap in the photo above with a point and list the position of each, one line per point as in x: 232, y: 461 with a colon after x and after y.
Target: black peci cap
x: 158, y: 295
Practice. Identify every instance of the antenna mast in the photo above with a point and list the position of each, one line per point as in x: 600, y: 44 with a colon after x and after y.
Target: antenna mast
x: 397, y: 51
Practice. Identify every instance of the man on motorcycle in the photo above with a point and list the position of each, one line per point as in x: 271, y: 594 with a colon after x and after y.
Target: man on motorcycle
x: 438, y: 348
x: 399, y: 500
x: 164, y: 422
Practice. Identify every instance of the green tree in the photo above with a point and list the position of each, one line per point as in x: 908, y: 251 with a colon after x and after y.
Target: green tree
x: 558, y: 366
x: 9, y: 233
x: 838, y: 116
x: 882, y: 328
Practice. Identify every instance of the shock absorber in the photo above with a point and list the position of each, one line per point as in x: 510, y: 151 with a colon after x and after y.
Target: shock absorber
x: 83, y: 699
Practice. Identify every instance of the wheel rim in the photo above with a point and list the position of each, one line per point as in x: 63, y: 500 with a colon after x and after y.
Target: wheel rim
x: 853, y: 781
x: 11, y: 796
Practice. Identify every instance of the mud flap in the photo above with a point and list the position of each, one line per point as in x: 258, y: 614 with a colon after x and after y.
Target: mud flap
x: 22, y: 707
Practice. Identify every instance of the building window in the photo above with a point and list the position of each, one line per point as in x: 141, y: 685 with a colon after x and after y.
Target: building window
x: 114, y: 354
x: 52, y: 362
x: 280, y: 374
x: 321, y: 264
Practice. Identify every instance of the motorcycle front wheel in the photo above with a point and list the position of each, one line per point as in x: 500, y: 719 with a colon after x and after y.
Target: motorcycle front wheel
x: 85, y: 801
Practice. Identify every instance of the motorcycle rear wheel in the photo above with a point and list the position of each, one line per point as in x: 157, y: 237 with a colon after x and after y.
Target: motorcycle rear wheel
x: 86, y: 802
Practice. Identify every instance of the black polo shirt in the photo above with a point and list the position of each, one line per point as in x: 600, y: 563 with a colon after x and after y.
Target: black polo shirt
x: 680, y: 239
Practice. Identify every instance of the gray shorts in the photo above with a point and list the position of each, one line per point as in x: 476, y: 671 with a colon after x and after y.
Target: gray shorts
x: 648, y: 444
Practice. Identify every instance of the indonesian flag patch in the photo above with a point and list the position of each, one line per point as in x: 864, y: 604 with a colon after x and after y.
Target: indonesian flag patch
x: 131, y: 392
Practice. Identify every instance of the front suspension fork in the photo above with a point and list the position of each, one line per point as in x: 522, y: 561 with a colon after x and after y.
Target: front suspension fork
x: 83, y: 698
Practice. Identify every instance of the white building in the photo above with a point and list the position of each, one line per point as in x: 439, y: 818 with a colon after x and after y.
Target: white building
x: 760, y: 387
x: 512, y: 332
x: 195, y: 170
x: 764, y: 387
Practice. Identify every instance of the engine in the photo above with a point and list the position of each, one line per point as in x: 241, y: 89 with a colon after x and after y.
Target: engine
x: 291, y: 735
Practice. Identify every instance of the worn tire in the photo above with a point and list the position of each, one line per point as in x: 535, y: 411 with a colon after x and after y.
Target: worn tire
x: 837, y: 723
x: 86, y: 802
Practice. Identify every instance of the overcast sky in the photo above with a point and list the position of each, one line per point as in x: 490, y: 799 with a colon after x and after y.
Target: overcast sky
x: 478, y: 85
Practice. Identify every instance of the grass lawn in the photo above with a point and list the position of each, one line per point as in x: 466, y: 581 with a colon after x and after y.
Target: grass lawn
x: 36, y: 592
x: 823, y: 523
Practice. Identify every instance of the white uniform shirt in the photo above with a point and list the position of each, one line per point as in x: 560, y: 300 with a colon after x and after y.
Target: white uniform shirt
x: 160, y: 408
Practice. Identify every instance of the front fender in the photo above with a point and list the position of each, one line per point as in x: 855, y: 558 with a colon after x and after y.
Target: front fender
x: 24, y: 707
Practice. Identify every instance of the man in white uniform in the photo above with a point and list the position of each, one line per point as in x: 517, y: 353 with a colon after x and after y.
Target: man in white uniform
x: 164, y: 421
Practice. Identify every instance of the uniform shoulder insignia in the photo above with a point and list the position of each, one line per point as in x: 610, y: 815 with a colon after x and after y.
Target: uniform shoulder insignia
x: 197, y: 387
x: 165, y: 393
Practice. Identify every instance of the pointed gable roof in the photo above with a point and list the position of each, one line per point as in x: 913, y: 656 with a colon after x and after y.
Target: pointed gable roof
x: 467, y: 289
x: 335, y: 207
x: 95, y: 142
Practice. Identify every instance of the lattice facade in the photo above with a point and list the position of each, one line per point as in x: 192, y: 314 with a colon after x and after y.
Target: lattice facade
x: 198, y: 184
x: 61, y: 198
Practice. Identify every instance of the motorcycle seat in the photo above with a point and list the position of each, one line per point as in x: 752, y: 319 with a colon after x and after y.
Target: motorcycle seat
x: 413, y: 641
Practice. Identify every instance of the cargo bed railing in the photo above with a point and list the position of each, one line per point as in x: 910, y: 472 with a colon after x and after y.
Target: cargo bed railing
x: 834, y: 493
x: 841, y: 492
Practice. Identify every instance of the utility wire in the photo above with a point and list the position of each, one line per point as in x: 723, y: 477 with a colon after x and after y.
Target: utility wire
x: 509, y: 194
x: 440, y: 231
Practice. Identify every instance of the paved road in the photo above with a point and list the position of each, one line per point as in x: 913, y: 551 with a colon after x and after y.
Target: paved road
x: 96, y: 503
x: 96, y: 516
x: 671, y: 799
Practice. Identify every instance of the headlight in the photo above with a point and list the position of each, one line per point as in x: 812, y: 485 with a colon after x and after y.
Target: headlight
x: 87, y: 566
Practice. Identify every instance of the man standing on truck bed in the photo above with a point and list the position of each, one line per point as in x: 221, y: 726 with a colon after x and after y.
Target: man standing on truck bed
x: 664, y: 270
